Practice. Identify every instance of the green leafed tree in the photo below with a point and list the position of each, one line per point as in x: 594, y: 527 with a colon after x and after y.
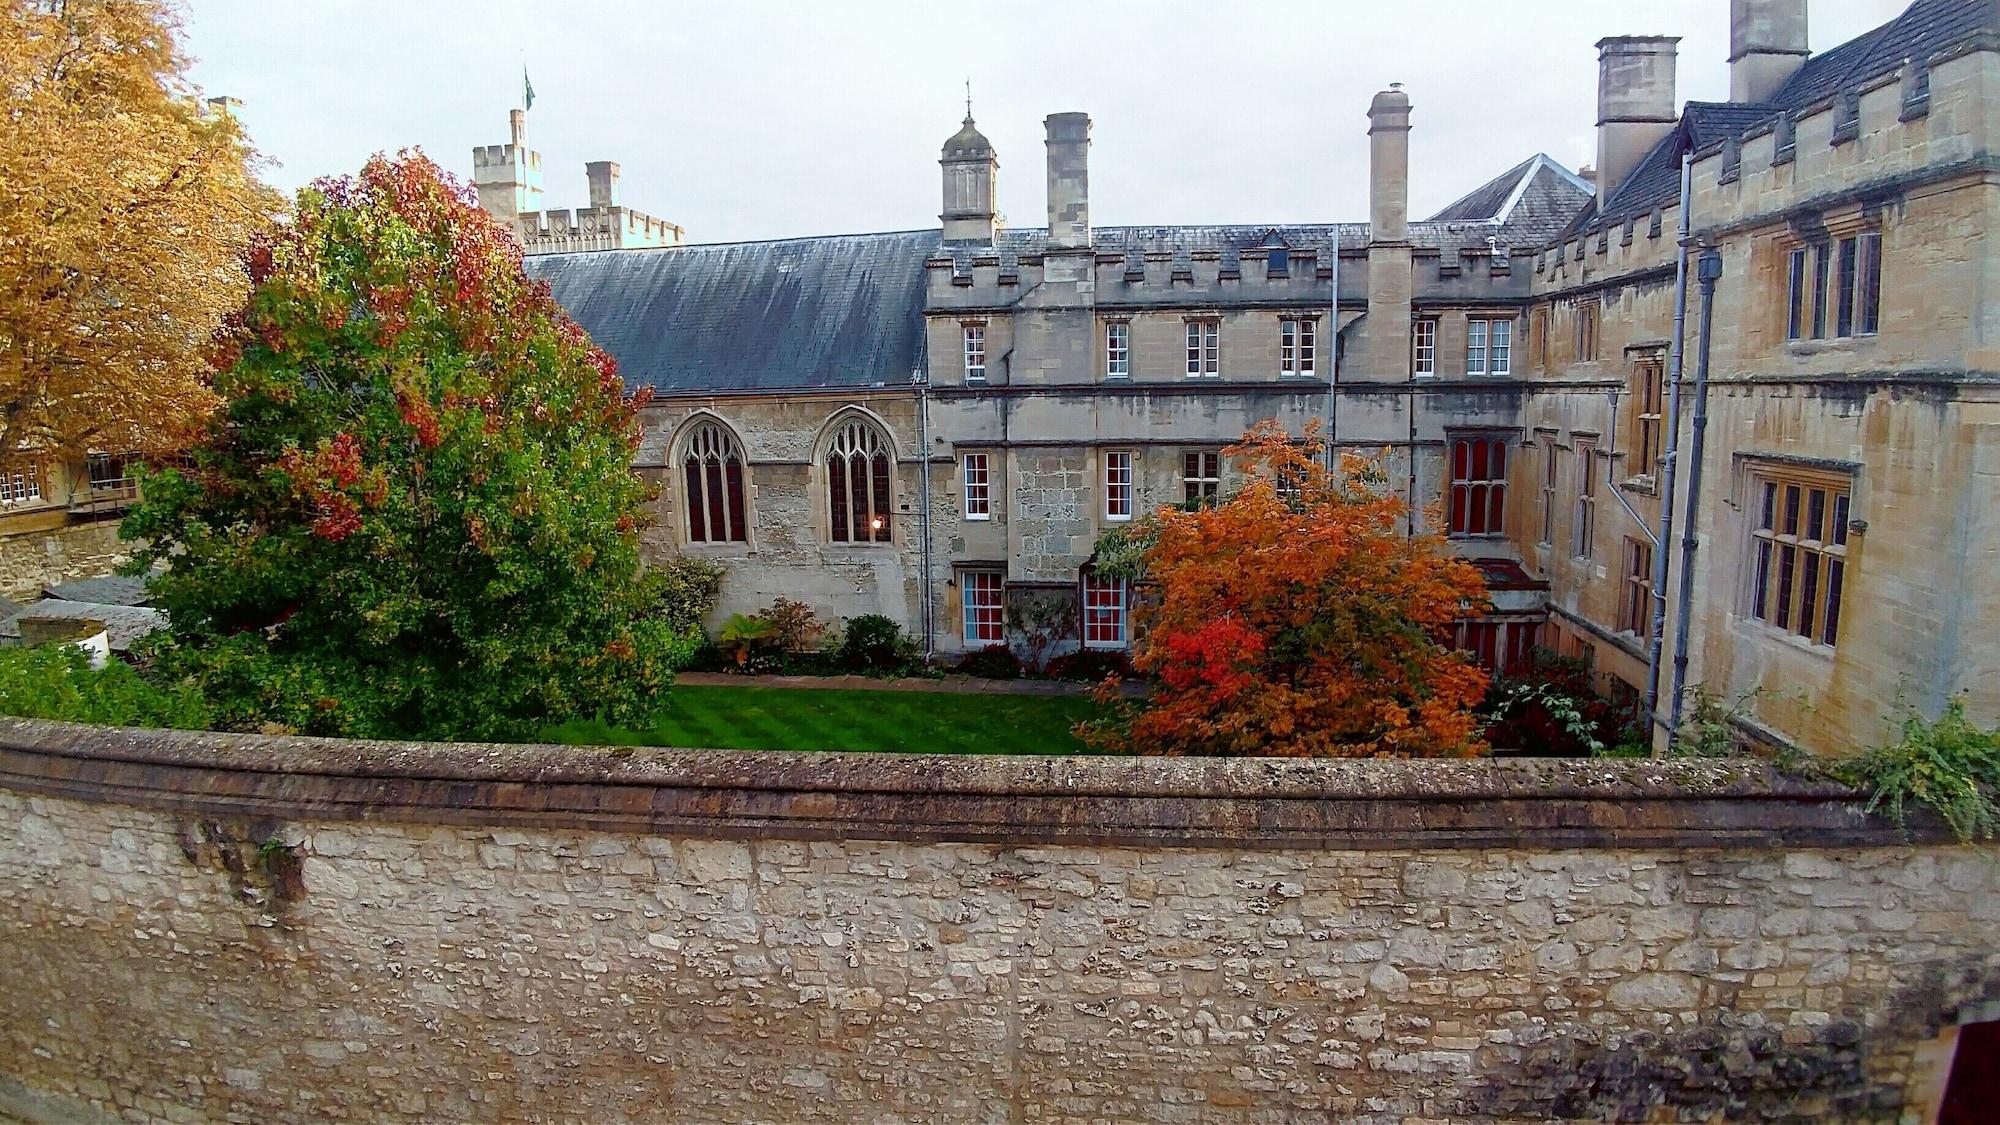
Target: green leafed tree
x: 414, y: 513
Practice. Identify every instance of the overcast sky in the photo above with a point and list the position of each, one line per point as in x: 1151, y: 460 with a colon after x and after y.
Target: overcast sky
x: 769, y: 120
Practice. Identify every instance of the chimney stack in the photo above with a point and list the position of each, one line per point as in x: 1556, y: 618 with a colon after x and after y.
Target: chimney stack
x: 1767, y: 43
x: 603, y: 176
x: 1069, y: 180
x: 1389, y: 165
x: 1635, y: 103
x: 1385, y: 332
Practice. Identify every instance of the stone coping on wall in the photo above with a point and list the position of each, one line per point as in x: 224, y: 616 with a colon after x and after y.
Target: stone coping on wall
x: 1258, y: 803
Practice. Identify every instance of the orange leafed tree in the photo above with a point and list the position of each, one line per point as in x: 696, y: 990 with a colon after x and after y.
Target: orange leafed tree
x: 125, y: 210
x: 1296, y: 618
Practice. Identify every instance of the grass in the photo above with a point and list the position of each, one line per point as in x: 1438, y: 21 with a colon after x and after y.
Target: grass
x: 768, y: 718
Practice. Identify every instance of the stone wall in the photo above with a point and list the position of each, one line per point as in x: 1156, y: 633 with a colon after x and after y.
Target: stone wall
x: 213, y: 927
x: 33, y: 560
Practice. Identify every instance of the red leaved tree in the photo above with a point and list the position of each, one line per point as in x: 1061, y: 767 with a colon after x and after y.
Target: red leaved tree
x: 1295, y: 618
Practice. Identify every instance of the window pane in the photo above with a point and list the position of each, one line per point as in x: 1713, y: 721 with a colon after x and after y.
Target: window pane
x: 1849, y: 252
x: 1840, y: 518
x: 1834, y: 569
x: 1787, y: 566
x: 1808, y: 591
x: 1789, y: 525
x: 1815, y: 513
x: 881, y: 490
x: 1796, y: 295
x: 1760, y: 594
x: 739, y: 528
x: 836, y: 491
x: 1871, y: 284
x: 1822, y: 258
x: 697, y: 516
x: 1770, y: 507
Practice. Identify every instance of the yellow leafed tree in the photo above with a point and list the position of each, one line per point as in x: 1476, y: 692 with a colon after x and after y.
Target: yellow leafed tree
x: 125, y: 209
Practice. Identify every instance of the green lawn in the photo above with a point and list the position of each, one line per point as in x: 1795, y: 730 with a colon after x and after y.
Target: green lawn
x: 766, y: 718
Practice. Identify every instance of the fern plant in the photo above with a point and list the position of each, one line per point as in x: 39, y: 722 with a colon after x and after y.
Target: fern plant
x: 1948, y: 766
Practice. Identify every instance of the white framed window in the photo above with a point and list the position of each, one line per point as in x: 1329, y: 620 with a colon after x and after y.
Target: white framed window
x: 21, y: 486
x: 1298, y: 339
x: 1202, y: 352
x: 1118, y: 484
x: 1424, y: 347
x: 1104, y: 616
x: 1489, y: 346
x: 1201, y: 477
x: 985, y: 606
x: 978, y: 487
x: 1118, y: 350
x: 975, y: 353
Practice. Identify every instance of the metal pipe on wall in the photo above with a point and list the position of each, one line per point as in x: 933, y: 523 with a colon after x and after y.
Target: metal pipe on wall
x: 1709, y: 271
x: 1675, y: 364
x: 922, y: 379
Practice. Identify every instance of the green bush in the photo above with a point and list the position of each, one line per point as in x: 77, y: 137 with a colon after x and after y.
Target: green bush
x: 1552, y: 708
x: 688, y: 589
x: 1089, y: 665
x: 413, y: 512
x: 1949, y: 766
x: 57, y: 682
x: 997, y: 662
x: 875, y: 644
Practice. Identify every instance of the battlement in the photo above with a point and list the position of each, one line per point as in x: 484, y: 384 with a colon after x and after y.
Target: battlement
x: 565, y: 230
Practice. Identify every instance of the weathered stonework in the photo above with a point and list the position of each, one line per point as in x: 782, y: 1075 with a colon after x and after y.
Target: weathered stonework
x: 393, y: 932
x: 29, y: 562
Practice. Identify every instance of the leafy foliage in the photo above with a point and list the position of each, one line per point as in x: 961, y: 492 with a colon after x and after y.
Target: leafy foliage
x: 124, y: 214
x: 1043, y: 619
x: 1709, y: 729
x: 1299, y: 621
x: 414, y: 514
x: 1551, y: 707
x: 1948, y: 766
x: 875, y: 643
x: 995, y: 662
x: 56, y: 681
x: 688, y: 589
x: 1089, y: 665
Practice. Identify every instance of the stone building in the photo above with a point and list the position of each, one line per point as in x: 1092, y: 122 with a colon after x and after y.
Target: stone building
x: 936, y: 424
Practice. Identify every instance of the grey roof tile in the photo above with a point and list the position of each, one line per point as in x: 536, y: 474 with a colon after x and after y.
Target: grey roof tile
x: 109, y: 589
x: 838, y: 311
x: 123, y: 623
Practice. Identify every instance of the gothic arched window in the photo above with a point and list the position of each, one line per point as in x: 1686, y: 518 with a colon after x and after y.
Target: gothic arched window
x: 713, y: 469
x: 858, y: 484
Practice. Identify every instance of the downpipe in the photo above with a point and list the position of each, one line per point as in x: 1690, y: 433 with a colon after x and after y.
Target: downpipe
x: 1709, y: 272
x: 1676, y: 362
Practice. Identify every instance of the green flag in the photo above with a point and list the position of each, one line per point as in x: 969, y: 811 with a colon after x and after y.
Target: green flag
x: 527, y: 90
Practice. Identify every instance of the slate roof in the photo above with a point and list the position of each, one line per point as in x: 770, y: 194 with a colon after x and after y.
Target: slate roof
x: 123, y: 624
x: 110, y: 589
x: 837, y: 311
x: 1923, y: 29
x: 1535, y: 199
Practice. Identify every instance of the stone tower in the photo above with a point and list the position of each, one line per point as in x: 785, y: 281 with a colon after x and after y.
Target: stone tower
x: 970, y: 171
x: 509, y: 176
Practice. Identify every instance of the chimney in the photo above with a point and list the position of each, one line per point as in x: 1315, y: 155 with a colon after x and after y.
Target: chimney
x: 1635, y: 103
x: 1385, y: 332
x: 1389, y: 165
x: 1069, y: 180
x: 1767, y: 43
x: 603, y: 176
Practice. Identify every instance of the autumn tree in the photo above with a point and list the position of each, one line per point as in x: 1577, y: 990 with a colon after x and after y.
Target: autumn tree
x: 125, y: 207
x: 414, y: 513
x: 1295, y: 618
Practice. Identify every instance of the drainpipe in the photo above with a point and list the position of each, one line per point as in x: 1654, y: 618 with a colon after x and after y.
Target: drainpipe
x: 1709, y: 272
x: 1675, y: 364
x: 922, y: 380
x: 1333, y: 360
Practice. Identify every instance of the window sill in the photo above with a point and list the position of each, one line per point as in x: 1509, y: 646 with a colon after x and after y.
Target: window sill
x: 1764, y: 630
x: 979, y: 519
x: 1826, y: 344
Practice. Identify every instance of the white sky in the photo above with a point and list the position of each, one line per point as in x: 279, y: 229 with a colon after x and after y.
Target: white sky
x: 769, y: 119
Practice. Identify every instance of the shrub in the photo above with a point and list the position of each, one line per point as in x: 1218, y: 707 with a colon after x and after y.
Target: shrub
x: 995, y: 663
x: 1089, y: 665
x: 1949, y: 766
x: 1551, y: 707
x: 875, y: 644
x: 688, y: 589
x: 794, y: 626
x: 414, y: 514
x: 750, y: 640
x: 57, y: 682
x: 1296, y: 618
x: 1042, y: 619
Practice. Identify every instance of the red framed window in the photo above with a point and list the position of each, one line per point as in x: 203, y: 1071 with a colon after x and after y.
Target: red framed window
x: 1478, y: 485
x: 1104, y: 612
